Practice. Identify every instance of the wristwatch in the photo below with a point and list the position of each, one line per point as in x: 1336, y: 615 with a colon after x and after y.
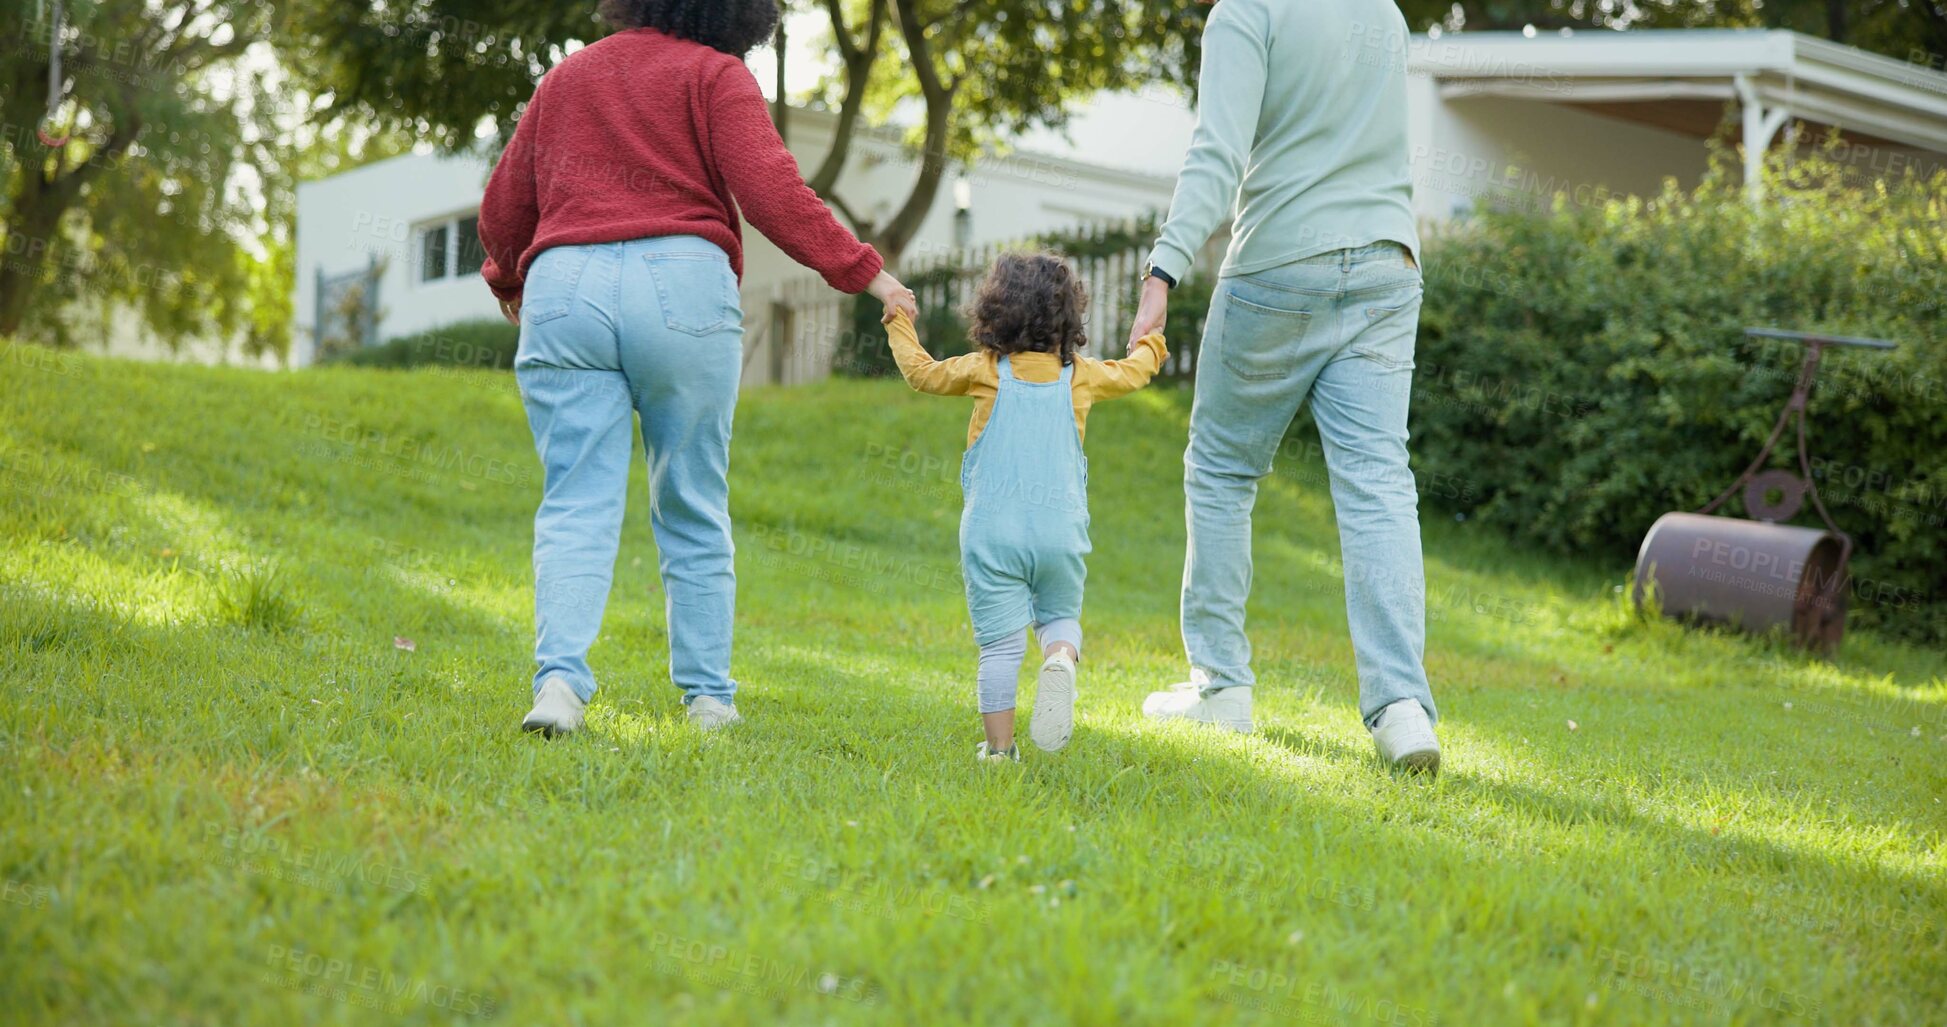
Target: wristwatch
x: 1150, y: 270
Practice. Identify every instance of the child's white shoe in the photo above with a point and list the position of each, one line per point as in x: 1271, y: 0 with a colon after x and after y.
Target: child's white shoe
x: 1054, y: 703
x: 983, y: 754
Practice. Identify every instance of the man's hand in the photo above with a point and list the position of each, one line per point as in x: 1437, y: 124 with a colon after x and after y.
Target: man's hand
x: 1150, y: 310
x: 888, y: 290
x: 511, y: 310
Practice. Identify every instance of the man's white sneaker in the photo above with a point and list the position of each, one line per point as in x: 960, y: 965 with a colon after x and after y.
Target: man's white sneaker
x: 1054, y: 703
x: 709, y: 713
x: 984, y: 754
x: 557, y: 709
x: 1404, y: 737
x: 1227, y: 708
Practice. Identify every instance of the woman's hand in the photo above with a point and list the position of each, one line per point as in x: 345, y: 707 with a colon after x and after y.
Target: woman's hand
x: 888, y: 290
x: 511, y: 310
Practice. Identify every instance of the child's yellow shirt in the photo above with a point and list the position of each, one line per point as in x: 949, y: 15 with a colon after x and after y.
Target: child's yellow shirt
x: 978, y: 374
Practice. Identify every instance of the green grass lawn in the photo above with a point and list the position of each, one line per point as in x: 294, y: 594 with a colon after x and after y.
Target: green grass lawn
x: 229, y: 796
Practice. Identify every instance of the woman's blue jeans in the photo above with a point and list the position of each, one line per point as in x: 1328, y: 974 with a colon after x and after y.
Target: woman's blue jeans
x: 650, y: 327
x: 1336, y: 330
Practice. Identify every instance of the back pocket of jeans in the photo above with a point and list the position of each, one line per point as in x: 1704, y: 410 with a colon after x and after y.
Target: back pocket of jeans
x: 1390, y: 330
x: 697, y: 291
x: 552, y: 280
x: 1261, y: 343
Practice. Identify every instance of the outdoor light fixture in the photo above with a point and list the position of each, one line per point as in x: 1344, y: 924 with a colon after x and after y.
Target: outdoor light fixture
x: 962, y: 211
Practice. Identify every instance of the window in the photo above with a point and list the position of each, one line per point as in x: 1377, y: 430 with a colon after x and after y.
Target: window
x: 432, y: 253
x: 450, y: 248
x: 472, y: 254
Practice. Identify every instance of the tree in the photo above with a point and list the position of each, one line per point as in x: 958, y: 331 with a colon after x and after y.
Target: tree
x: 145, y: 203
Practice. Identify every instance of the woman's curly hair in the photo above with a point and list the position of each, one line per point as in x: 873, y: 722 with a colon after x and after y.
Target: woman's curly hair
x: 1029, y: 303
x: 733, y: 26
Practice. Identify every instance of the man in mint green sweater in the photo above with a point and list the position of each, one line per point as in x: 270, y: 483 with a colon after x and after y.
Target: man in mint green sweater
x: 1301, y: 140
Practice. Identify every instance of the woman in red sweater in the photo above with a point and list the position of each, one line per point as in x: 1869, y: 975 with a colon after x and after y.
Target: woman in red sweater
x: 611, y: 227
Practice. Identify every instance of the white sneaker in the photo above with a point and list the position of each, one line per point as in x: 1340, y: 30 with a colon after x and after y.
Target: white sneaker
x: 709, y: 713
x: 985, y: 755
x: 1227, y: 708
x: 1404, y: 737
x: 1054, y: 703
x: 557, y: 709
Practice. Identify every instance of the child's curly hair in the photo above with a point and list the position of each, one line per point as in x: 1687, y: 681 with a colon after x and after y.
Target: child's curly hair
x: 1029, y: 303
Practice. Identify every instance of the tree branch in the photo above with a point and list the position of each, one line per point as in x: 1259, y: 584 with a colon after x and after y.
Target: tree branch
x: 858, y: 73
x: 939, y: 122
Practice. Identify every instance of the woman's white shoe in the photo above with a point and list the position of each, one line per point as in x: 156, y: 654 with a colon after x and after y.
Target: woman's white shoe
x: 1228, y: 708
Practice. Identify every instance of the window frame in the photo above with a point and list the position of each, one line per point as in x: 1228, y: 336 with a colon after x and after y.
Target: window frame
x: 448, y: 225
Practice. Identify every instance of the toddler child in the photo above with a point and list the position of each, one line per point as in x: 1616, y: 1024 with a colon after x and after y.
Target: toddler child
x: 1024, y: 519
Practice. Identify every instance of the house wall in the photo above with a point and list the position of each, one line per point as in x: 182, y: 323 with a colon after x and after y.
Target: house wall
x: 1492, y: 152
x: 368, y: 213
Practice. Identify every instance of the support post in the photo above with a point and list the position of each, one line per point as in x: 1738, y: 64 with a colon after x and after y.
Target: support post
x: 1760, y: 127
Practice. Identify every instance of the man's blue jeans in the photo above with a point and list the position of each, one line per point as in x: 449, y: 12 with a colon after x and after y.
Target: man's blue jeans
x: 651, y: 327
x: 1337, y: 329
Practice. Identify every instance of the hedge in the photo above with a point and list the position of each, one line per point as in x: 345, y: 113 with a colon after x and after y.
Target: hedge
x: 1582, y: 371
x: 484, y: 343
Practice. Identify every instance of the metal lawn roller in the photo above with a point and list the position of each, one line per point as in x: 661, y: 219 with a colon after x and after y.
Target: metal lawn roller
x: 1758, y: 574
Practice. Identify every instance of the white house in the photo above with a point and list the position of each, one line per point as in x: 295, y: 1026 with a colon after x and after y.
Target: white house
x: 1496, y: 119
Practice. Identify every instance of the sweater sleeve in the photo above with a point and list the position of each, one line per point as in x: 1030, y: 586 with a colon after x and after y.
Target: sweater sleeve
x: 1230, y: 94
x: 511, y: 209
x: 1108, y: 379
x: 954, y: 376
x: 764, y: 179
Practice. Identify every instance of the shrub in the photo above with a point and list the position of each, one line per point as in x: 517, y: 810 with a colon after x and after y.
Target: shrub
x: 484, y: 343
x: 1584, y: 370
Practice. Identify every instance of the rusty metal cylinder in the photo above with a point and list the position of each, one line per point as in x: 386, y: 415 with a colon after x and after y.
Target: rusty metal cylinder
x: 1750, y: 575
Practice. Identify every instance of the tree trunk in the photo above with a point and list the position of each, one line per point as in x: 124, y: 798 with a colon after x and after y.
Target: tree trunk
x: 33, y: 230
x: 899, y: 232
x: 858, y: 71
x: 1835, y: 20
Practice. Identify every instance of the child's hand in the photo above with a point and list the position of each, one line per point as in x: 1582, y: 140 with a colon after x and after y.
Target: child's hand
x: 888, y: 290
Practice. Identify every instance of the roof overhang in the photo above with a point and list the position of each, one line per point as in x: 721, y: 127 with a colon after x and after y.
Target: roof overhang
x: 1676, y: 77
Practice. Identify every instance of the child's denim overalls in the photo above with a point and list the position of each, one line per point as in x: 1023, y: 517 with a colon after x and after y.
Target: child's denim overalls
x: 1024, y: 526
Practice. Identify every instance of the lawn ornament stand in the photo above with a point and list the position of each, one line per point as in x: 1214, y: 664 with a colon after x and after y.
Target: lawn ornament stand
x: 1755, y: 573
x: 46, y: 129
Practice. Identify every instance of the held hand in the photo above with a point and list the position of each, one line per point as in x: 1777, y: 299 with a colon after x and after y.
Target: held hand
x: 888, y: 290
x: 1150, y: 310
x: 511, y: 310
